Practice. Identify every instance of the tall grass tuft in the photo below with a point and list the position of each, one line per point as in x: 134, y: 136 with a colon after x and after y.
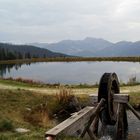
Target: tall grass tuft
x: 64, y: 95
x: 65, y: 103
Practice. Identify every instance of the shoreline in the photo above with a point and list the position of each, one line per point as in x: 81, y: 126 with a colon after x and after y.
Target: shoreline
x: 72, y: 59
x: 34, y: 83
x: 78, y: 90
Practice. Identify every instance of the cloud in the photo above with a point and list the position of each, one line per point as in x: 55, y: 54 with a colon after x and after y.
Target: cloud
x: 54, y: 20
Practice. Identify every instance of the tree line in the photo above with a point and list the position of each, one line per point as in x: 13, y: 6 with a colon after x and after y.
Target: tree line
x: 5, y: 54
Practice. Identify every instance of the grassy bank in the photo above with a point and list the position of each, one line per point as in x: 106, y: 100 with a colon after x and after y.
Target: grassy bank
x: 29, y: 110
x: 71, y: 59
x: 15, y: 107
x: 31, y: 83
x: 22, y: 108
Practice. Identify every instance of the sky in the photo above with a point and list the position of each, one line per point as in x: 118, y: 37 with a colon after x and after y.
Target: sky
x: 26, y: 21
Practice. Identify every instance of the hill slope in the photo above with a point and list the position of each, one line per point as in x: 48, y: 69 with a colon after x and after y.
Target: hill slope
x: 30, y: 50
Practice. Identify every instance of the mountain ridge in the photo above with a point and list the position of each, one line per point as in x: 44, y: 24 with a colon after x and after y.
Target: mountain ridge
x: 94, y: 47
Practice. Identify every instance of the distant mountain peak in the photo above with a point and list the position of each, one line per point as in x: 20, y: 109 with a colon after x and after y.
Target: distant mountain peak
x: 91, y: 47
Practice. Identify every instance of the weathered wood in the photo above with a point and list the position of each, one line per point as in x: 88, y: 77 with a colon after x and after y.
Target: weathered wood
x: 111, y: 110
x: 72, y: 125
x: 91, y: 135
x: 95, y: 125
x: 120, y: 98
x: 133, y: 110
x: 121, y: 123
x: 96, y: 112
x: 125, y: 120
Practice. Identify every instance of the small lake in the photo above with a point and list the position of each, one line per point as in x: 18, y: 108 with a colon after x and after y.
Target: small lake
x: 71, y: 72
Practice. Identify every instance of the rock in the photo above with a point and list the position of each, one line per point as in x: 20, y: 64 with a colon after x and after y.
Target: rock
x: 22, y: 130
x: 28, y: 109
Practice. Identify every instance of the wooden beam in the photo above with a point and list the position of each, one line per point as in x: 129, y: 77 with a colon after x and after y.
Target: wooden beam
x: 95, y: 125
x: 120, y: 123
x: 91, y: 135
x: 120, y: 98
x: 76, y: 125
x: 96, y: 112
x: 73, y: 125
x: 133, y: 110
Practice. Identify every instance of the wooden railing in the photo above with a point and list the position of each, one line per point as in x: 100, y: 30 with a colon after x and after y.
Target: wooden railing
x: 108, y: 107
x: 80, y: 123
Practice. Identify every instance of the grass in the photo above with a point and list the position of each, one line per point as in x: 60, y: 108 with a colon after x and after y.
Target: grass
x: 14, y: 109
x: 135, y: 99
x: 34, y: 111
x: 21, y: 82
x: 71, y: 59
x: 26, y: 109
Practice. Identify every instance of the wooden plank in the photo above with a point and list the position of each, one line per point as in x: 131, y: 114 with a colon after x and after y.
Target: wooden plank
x: 120, y: 98
x: 133, y: 110
x: 73, y: 124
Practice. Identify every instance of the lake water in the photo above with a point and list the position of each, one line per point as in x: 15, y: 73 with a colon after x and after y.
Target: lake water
x: 72, y: 72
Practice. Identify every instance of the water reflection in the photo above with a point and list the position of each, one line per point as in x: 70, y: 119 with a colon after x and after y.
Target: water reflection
x: 72, y: 72
x: 6, y: 68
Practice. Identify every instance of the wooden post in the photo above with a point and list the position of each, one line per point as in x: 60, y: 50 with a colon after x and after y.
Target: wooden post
x: 121, y: 124
x: 125, y: 120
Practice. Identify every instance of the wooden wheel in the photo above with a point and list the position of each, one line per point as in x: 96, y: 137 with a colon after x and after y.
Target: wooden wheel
x: 108, y: 86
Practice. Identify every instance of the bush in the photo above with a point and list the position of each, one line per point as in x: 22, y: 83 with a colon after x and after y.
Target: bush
x: 6, y: 125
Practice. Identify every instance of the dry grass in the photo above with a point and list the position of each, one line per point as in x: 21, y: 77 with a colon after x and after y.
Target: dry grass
x: 36, y: 111
x: 71, y: 59
x: 64, y: 94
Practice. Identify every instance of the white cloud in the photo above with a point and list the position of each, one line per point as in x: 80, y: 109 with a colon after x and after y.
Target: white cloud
x: 128, y: 9
x: 53, y: 20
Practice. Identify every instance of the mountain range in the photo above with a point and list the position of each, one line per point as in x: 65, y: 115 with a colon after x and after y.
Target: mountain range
x: 93, y: 47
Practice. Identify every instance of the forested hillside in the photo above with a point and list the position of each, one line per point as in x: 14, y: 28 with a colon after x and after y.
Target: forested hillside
x: 11, y: 52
